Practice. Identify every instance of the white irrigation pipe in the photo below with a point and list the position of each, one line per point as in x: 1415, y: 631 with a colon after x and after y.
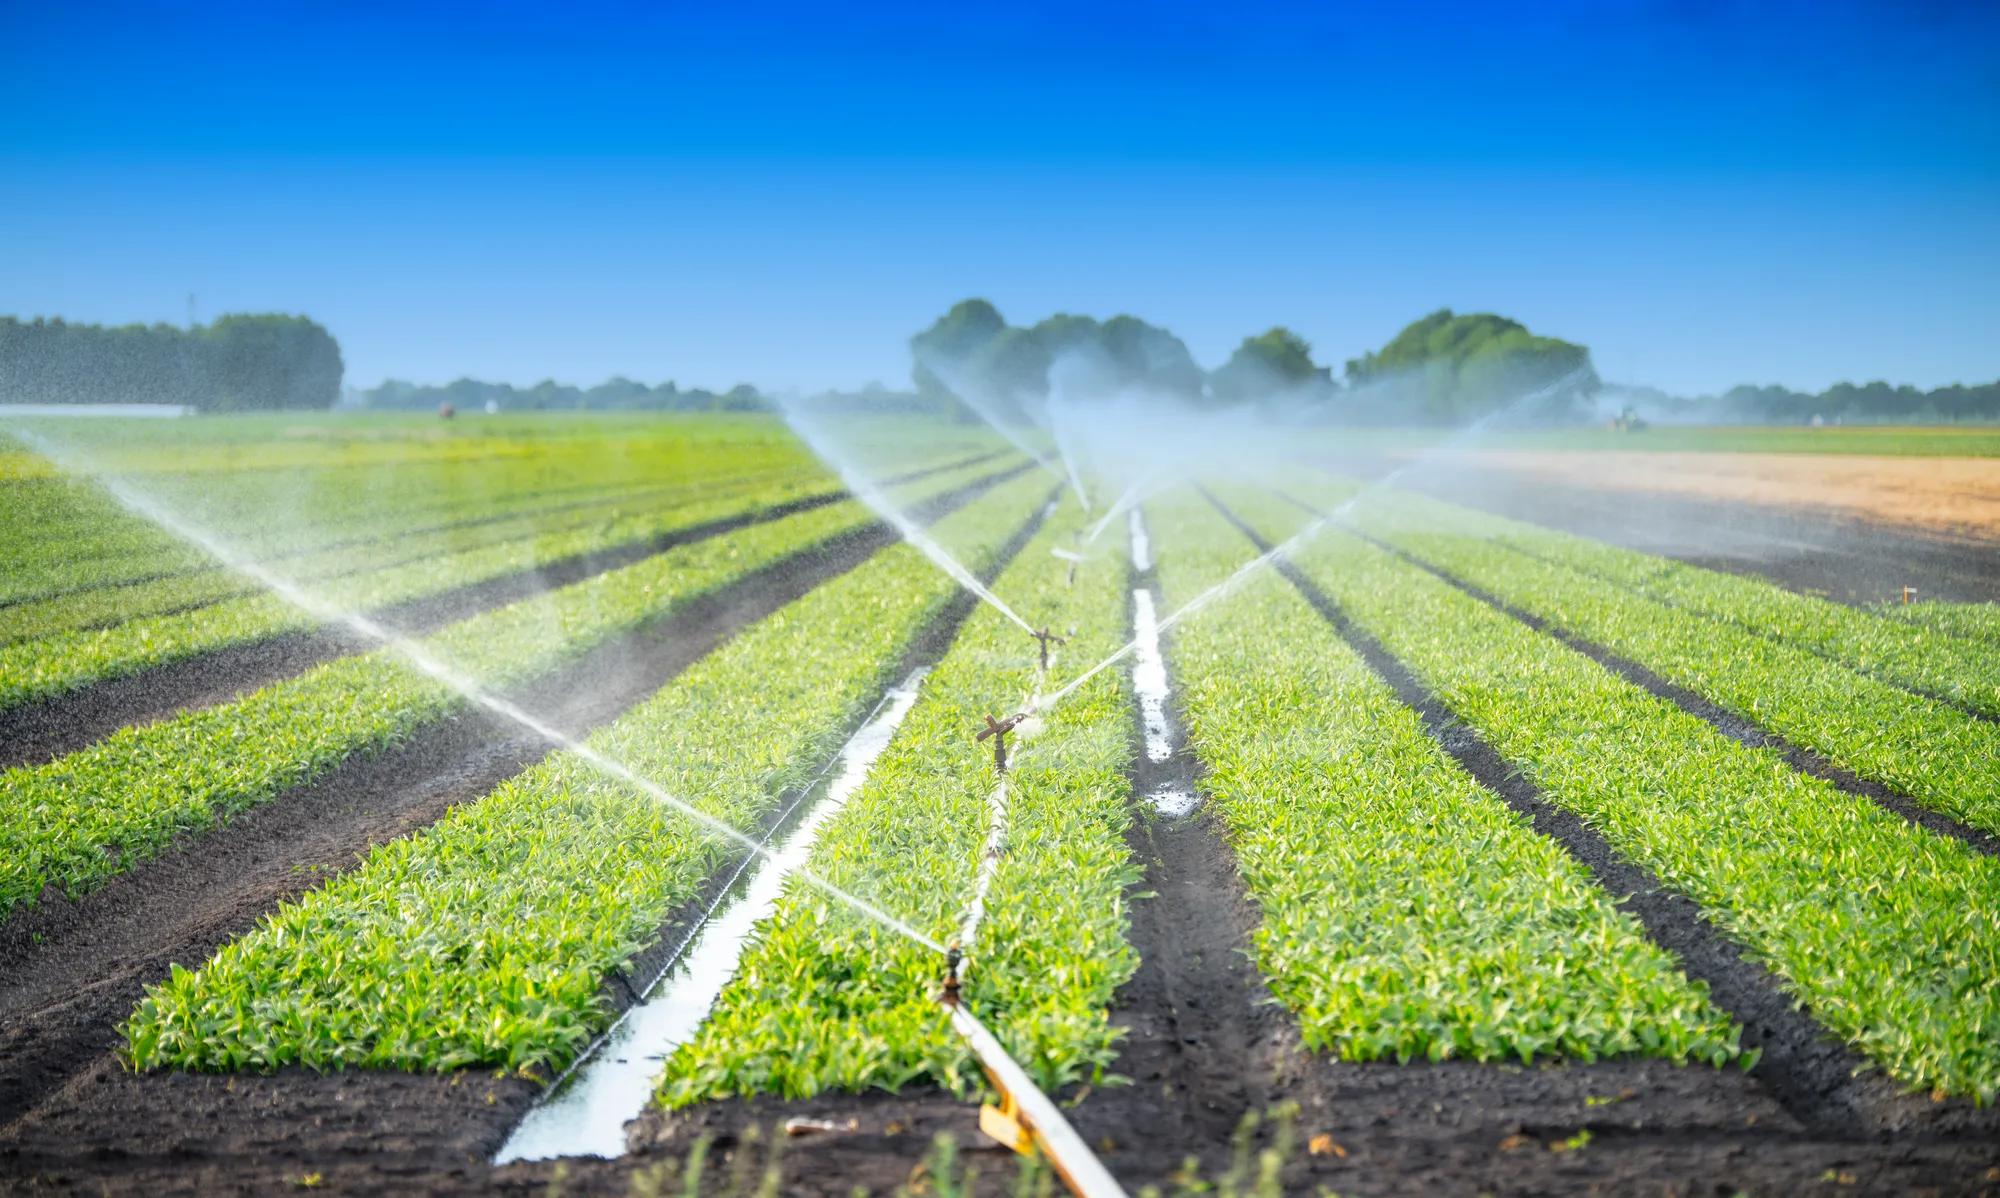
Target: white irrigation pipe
x: 1027, y: 1118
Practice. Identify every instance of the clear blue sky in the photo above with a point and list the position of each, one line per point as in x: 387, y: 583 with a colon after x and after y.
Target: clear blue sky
x: 1705, y: 193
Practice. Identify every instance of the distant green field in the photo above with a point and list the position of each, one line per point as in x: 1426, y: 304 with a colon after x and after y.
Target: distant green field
x: 1957, y: 441
x: 1929, y: 441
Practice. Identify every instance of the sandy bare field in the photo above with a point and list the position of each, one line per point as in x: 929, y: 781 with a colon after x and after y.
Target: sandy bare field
x: 1956, y: 497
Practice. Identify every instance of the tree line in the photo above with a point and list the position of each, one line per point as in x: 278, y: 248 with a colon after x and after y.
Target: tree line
x: 615, y: 395
x: 237, y: 363
x: 1442, y: 368
x: 1843, y: 403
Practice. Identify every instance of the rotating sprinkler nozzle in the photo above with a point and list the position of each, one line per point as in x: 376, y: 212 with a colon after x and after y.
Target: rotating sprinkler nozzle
x: 953, y: 958
x: 1072, y: 559
x: 998, y: 730
x: 1046, y: 638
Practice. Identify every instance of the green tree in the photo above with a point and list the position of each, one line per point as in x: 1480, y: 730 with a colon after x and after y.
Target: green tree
x: 1274, y: 364
x: 1447, y: 368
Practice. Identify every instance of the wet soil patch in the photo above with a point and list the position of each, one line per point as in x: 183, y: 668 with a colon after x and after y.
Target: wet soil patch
x: 1203, y: 1041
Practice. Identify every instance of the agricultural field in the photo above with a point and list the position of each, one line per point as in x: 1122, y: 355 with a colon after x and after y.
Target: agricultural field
x: 599, y: 804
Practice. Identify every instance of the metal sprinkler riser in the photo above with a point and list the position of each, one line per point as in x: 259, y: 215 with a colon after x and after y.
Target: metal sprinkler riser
x: 998, y: 730
x: 1045, y: 638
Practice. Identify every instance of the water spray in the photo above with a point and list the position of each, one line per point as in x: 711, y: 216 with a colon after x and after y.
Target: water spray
x: 1060, y: 433
x: 422, y: 659
x: 866, y: 490
x: 1291, y: 544
x: 954, y: 381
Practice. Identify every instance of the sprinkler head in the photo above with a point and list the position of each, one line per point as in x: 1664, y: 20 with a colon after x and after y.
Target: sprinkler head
x: 953, y: 957
x: 1045, y: 637
x: 998, y: 730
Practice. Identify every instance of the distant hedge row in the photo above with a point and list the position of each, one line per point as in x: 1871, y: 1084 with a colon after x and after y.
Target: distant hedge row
x: 237, y: 363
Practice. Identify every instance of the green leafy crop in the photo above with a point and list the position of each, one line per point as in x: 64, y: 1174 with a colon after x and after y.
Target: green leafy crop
x: 1887, y: 933
x: 1406, y: 911
x: 823, y: 1001
x: 82, y: 818
x: 488, y: 937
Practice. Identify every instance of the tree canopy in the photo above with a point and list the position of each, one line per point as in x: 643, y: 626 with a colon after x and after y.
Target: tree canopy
x: 1446, y: 367
x: 238, y: 363
x: 973, y: 348
x: 1275, y: 364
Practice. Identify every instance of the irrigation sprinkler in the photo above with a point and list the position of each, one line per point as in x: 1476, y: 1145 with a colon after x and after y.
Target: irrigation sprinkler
x: 1072, y: 559
x: 1909, y: 593
x: 1045, y: 638
x: 998, y: 730
x: 954, y: 956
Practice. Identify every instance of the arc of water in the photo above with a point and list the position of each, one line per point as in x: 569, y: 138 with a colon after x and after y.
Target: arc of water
x: 867, y: 491
x: 1060, y: 431
x: 422, y: 659
x: 1312, y: 529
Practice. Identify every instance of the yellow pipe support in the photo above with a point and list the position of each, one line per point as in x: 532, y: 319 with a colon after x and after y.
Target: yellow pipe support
x: 1026, y: 1119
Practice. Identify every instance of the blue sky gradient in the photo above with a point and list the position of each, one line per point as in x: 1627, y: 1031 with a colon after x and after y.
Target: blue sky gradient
x: 1704, y: 193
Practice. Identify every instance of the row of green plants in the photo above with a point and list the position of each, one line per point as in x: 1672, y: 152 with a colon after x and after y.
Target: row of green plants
x: 487, y: 938
x: 356, y: 562
x: 64, y: 534
x: 275, y: 487
x: 87, y: 816
x: 1884, y: 931
x: 1973, y: 621
x: 826, y: 1001
x: 1406, y: 911
x: 1900, y: 652
x: 1938, y: 755
x: 41, y: 669
x: 81, y: 540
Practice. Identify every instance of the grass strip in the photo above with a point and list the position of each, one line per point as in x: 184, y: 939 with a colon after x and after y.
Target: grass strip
x: 487, y: 938
x: 823, y: 1001
x: 1887, y: 933
x: 1407, y: 912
